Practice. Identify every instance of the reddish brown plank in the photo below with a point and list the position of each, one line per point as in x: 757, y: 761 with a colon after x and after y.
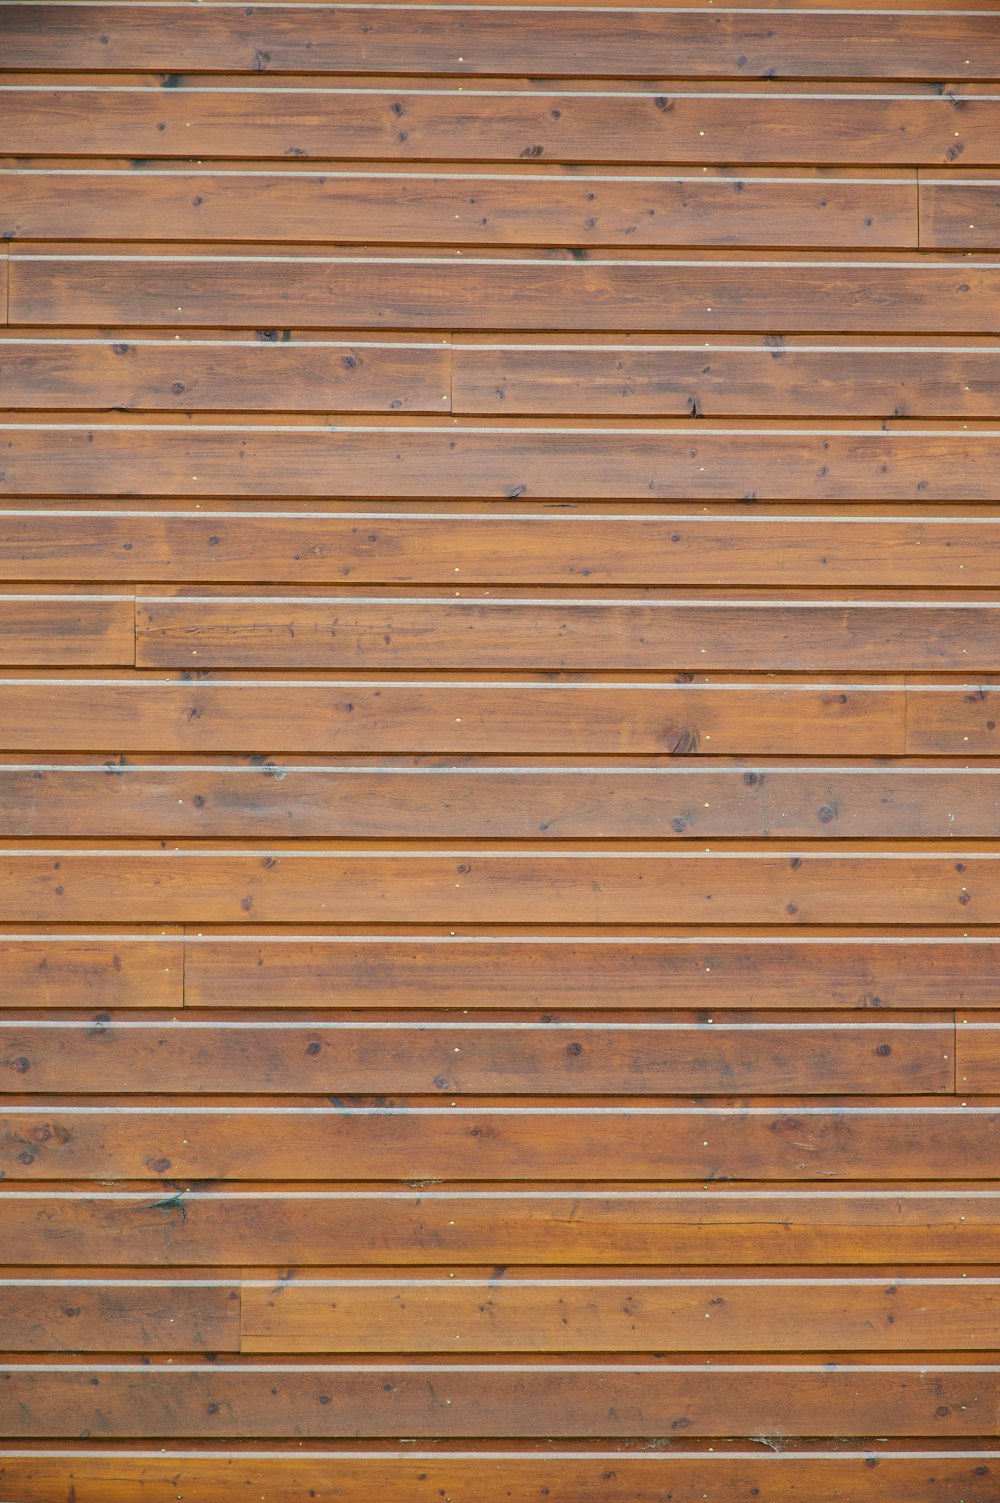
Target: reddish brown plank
x: 608, y: 1224
x: 821, y: 634
x: 101, y: 1315
x: 506, y: 119
x: 578, y: 1311
x: 319, y: 1138
x: 693, y: 42
x: 180, y: 713
x: 481, y: 290
x: 977, y: 1054
x: 247, y: 1057
x: 92, y: 971
x: 960, y: 213
x: 919, y: 971
x: 498, y: 1476
x: 365, y: 204
x: 617, y: 1398
x: 681, y: 463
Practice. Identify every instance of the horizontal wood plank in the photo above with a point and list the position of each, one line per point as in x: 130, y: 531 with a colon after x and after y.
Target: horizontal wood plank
x: 960, y: 214
x: 66, y: 970
x: 96, y: 1315
x: 775, y: 377
x: 575, y: 632
x: 551, y: 1058
x: 369, y: 204
x: 253, y: 373
x: 397, y: 715
x: 698, y: 42
x: 330, y: 1138
x: 977, y: 1054
x: 250, y: 1400
x: 499, y: 120
x: 612, y: 1224
x: 236, y: 886
x: 914, y: 548
x: 522, y: 1312
x: 482, y: 800
x: 919, y: 971
x: 920, y: 295
x: 681, y: 463
x: 499, y: 1476
x: 73, y: 630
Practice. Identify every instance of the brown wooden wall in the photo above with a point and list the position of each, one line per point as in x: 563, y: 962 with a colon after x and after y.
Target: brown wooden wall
x: 499, y: 782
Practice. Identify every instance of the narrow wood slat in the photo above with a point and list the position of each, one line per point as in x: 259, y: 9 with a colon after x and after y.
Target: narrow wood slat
x: 522, y: 1312
x: 499, y: 120
x: 331, y: 1139
x: 201, y: 885
x: 576, y: 632
x: 251, y: 1400
x: 612, y: 1224
x: 960, y: 214
x: 177, y: 714
x: 67, y: 629
x: 919, y: 971
x: 255, y: 1057
x: 775, y: 377
x: 499, y: 1476
x: 696, y: 43
x: 258, y: 374
x: 685, y: 462
x: 912, y: 296
x: 120, y: 971
x: 366, y: 205
x: 977, y: 1054
x: 420, y: 800
x: 915, y: 548
x: 83, y: 1315
x: 959, y: 718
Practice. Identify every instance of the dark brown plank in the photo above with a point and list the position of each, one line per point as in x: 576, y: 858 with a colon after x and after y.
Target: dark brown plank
x: 249, y: 372
x: 960, y: 213
x: 327, y: 1137
x: 92, y: 971
x: 726, y: 378
x: 651, y: 1058
x: 180, y: 713
x: 610, y: 1224
x: 421, y: 799
x: 365, y: 204
x: 499, y: 120
x: 513, y: 546
x: 74, y: 630
x: 614, y: 1398
x: 498, y: 1475
x: 84, y: 1315
x: 794, y: 294
x: 577, y: 1311
x: 687, y: 461
x: 697, y: 43
x: 366, y: 633
x: 200, y: 884
x: 919, y: 971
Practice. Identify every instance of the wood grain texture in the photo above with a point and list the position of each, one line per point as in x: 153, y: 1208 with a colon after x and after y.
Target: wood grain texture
x: 97, y: 1315
x: 566, y: 632
x: 181, y: 713
x: 200, y: 884
x: 700, y: 43
x: 255, y: 1056
x: 255, y: 1399
x: 67, y: 970
x: 500, y: 120
x: 685, y: 462
x: 606, y: 973
x: 489, y: 1475
x: 475, y: 1224
x: 520, y: 544
x: 757, y: 293
x: 68, y: 629
x: 534, y: 207
x: 328, y: 1138
x: 427, y: 799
